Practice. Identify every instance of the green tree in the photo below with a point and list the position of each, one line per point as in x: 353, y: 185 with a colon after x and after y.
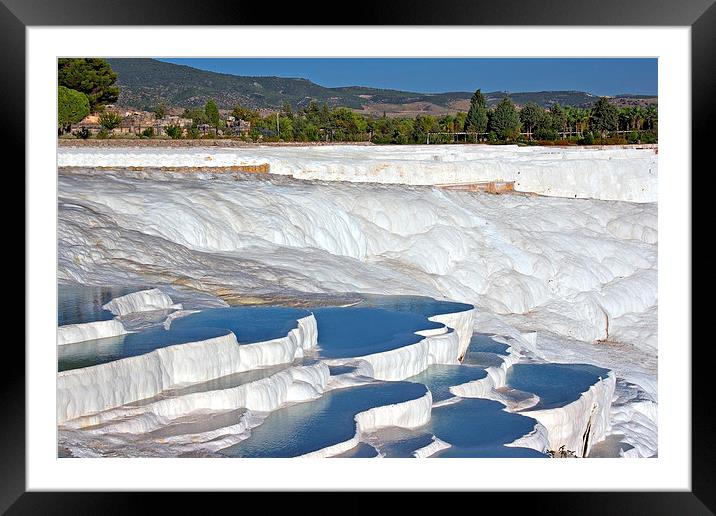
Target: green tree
x: 197, y: 116
x: 311, y: 132
x: 109, y: 120
x: 212, y: 113
x: 651, y: 117
x: 505, y: 120
x: 605, y: 116
x: 559, y: 118
x: 422, y: 125
x: 285, y: 125
x: 160, y: 111
x: 173, y: 131
x: 476, y: 120
x: 246, y: 114
x: 93, y: 77
x: 460, y: 119
x: 532, y: 116
x: 287, y: 111
x: 72, y: 107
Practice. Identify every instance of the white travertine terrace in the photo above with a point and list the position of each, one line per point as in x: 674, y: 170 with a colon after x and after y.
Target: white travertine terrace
x: 88, y: 390
x: 71, y: 333
x: 579, y: 273
x: 142, y: 301
x: 625, y: 174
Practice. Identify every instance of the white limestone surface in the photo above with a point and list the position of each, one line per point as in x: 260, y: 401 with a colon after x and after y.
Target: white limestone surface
x: 627, y: 174
x: 407, y: 414
x: 142, y: 301
x: 70, y: 333
x: 582, y: 423
x: 404, y: 362
x: 581, y: 273
x: 265, y: 395
x: 93, y: 389
x: 583, y: 269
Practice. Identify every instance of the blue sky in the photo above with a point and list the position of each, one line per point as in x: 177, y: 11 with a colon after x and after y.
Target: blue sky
x: 600, y: 76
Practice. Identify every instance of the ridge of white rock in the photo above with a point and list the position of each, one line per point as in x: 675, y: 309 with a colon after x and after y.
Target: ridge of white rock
x: 431, y: 449
x: 607, y: 173
x: 404, y: 362
x: 462, y: 324
x: 571, y: 267
x: 495, y: 379
x: 93, y: 389
x: 445, y: 345
x: 537, y: 439
x: 167, y: 324
x: 142, y: 301
x: 582, y: 423
x: 582, y: 273
x: 70, y: 333
x: 265, y: 395
x: 406, y: 414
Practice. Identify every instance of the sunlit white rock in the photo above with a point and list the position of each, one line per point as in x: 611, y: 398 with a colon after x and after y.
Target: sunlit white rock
x: 556, y: 265
x: 70, y: 333
x: 610, y: 173
x: 431, y: 449
x: 407, y: 414
x: 142, y: 301
x: 101, y: 387
x: 582, y: 423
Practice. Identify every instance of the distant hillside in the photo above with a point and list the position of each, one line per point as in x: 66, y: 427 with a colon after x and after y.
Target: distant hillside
x: 144, y: 83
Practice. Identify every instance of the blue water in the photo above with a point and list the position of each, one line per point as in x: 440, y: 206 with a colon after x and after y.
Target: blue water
x: 248, y: 323
x: 101, y: 351
x: 497, y: 452
x: 480, y: 428
x: 362, y: 451
x: 78, y: 304
x: 481, y: 342
x: 483, y: 359
x: 341, y: 369
x: 356, y: 332
x: 329, y: 420
x: 439, y: 378
x: 401, y: 443
x: 422, y: 305
x: 555, y: 384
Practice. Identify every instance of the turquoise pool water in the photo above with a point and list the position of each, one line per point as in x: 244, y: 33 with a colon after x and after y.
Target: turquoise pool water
x: 355, y: 332
x: 311, y: 426
x: 480, y: 428
x: 362, y: 451
x: 78, y: 304
x: 482, y: 342
x: 474, y: 427
x: 101, y: 351
x: 439, y: 378
x: 248, y: 323
x: 555, y: 384
x: 401, y: 443
x: 421, y: 305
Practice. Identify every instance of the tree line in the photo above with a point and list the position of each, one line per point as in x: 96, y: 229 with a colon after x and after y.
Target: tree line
x: 504, y: 123
x: 87, y: 85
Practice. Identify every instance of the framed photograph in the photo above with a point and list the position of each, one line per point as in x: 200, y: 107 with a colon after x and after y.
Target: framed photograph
x: 262, y: 247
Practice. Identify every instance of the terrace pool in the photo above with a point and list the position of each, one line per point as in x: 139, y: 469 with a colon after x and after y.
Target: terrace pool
x: 555, y: 384
x: 312, y: 426
x: 355, y: 332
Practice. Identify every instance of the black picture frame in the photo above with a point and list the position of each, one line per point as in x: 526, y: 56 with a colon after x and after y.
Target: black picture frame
x: 700, y: 15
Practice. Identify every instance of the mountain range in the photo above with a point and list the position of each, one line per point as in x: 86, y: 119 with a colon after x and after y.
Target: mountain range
x: 144, y: 83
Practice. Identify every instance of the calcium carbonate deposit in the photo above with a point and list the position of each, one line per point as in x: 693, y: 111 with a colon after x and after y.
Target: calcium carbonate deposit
x: 568, y: 276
